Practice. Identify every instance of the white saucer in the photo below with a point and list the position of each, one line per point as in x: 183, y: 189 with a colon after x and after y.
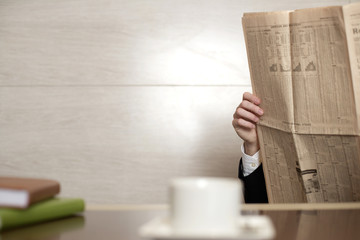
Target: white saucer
x: 249, y: 227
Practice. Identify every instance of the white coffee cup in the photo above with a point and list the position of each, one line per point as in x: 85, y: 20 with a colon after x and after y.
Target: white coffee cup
x: 204, y: 206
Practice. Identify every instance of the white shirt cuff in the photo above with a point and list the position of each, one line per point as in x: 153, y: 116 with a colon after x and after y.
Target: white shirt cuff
x: 250, y: 163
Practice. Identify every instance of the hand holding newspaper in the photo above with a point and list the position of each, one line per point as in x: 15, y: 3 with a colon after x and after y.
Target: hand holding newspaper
x: 305, y: 66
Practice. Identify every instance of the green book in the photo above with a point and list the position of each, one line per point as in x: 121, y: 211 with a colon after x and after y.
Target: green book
x: 43, y: 211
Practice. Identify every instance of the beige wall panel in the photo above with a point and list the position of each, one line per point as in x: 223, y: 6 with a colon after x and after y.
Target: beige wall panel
x: 112, y: 42
x: 87, y: 95
x: 118, y: 144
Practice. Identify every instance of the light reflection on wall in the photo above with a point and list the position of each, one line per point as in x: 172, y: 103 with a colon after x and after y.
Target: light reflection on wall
x: 208, y: 58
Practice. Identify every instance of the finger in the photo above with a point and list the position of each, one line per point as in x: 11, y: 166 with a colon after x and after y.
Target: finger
x: 242, y: 113
x: 242, y: 123
x: 251, y: 98
x: 249, y: 106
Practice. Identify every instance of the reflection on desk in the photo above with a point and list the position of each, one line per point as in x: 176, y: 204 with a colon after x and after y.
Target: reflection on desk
x: 295, y: 221
x: 49, y: 230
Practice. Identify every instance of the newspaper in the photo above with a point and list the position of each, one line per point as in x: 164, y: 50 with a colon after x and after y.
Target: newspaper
x: 305, y: 67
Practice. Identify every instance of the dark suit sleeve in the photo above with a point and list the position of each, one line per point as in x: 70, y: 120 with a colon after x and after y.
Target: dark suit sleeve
x: 254, y: 185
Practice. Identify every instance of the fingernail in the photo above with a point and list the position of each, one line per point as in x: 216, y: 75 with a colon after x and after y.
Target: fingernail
x: 260, y: 111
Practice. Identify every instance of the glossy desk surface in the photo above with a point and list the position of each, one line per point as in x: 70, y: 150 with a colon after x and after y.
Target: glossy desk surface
x: 295, y: 221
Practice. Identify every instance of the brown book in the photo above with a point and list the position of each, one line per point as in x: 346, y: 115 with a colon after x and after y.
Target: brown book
x: 22, y: 192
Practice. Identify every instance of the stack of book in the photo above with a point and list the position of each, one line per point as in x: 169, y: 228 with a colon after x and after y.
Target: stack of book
x: 27, y: 201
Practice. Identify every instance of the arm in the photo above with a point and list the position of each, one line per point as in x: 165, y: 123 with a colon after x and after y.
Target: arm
x: 250, y: 169
x: 254, y: 185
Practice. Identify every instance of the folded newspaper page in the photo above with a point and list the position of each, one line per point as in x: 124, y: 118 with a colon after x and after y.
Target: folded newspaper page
x: 305, y: 67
